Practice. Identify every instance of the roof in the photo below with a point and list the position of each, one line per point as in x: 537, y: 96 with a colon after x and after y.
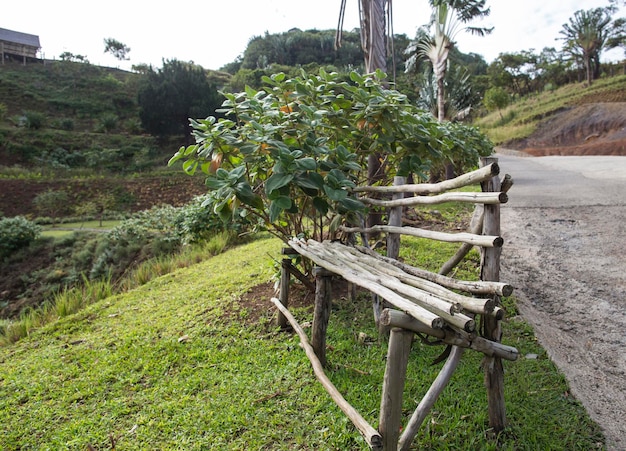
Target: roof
x: 19, y: 38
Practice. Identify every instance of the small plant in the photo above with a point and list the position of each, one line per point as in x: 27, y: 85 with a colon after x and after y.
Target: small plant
x: 33, y: 120
x: 16, y: 233
x: 67, y: 124
x: 52, y: 203
x: 3, y: 111
x: 108, y: 122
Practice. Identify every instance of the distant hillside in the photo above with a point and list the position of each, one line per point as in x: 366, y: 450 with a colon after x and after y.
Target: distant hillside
x: 573, y: 120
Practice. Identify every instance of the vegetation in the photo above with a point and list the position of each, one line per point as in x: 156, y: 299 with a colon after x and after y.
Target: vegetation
x: 173, y: 94
x: 184, y: 361
x: 15, y: 234
x: 520, y: 118
x: 124, y: 348
x: 290, y: 154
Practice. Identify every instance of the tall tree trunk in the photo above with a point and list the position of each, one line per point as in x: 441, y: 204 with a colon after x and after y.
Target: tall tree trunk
x: 373, y: 41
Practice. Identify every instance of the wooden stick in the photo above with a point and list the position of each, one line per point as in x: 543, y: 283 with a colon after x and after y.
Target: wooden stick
x: 389, y: 280
x: 321, y: 314
x: 351, y: 275
x: 490, y: 270
x: 395, y: 219
x: 462, y: 237
x: 390, y: 417
x: 284, y: 290
x: 475, y: 287
x: 301, y: 277
x: 371, y: 435
x: 476, y: 227
x: 429, y: 398
x: 467, y: 197
x: 470, y: 178
x: 450, y: 336
x: 470, y: 304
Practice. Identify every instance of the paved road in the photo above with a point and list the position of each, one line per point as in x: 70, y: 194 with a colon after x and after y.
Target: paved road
x: 565, y: 253
x: 565, y: 181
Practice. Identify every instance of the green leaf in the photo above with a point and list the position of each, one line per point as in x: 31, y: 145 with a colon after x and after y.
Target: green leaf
x: 277, y: 181
x: 335, y: 194
x: 310, y: 180
x: 283, y: 202
x: 320, y: 205
x: 306, y: 164
x: 275, y: 211
x: 244, y: 193
x: 189, y: 166
x: 351, y: 204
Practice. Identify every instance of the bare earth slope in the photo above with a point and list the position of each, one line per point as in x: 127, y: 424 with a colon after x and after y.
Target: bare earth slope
x: 564, y: 231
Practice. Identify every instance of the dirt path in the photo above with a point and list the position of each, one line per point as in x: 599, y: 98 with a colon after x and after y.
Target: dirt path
x: 564, y: 252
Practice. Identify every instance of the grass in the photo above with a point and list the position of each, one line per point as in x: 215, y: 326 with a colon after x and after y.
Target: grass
x: 70, y: 301
x: 521, y: 118
x: 181, y: 363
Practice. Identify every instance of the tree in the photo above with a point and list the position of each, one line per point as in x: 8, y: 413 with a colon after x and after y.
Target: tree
x: 116, y: 48
x: 173, y: 94
x: 588, y: 33
x: 69, y: 56
x: 496, y: 98
x: 448, y: 18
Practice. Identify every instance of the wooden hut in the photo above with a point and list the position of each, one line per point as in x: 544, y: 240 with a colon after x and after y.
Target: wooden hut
x: 14, y: 44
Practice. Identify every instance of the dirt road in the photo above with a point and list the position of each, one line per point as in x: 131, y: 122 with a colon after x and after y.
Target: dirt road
x: 565, y: 253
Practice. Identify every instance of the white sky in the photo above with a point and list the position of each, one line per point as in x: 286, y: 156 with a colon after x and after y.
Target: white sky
x: 214, y: 32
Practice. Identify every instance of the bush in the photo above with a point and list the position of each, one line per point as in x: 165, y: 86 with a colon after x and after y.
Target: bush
x: 197, y: 221
x: 52, y: 203
x: 108, y: 123
x: 16, y: 233
x: 33, y: 120
x: 3, y: 111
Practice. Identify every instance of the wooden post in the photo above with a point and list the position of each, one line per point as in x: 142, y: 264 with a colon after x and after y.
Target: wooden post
x: 283, y: 295
x: 393, y: 386
x: 490, y: 271
x: 321, y: 313
x: 395, y: 219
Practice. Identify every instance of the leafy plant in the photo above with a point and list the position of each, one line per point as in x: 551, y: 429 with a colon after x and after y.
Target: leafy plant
x: 16, y: 233
x: 291, y: 153
x: 33, y: 120
x: 52, y: 203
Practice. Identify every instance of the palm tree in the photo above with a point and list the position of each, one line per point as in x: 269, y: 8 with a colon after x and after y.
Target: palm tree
x: 448, y: 18
x: 585, y: 37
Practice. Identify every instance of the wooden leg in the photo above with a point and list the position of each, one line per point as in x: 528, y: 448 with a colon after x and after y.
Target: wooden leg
x: 393, y: 387
x: 283, y: 296
x: 321, y: 313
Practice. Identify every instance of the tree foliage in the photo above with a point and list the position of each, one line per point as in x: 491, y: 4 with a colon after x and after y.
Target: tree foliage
x: 298, y: 48
x: 588, y: 33
x: 291, y: 153
x: 116, y: 48
x: 173, y: 94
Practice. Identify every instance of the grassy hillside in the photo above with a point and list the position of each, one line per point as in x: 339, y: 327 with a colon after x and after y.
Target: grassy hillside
x: 522, y: 117
x: 189, y: 361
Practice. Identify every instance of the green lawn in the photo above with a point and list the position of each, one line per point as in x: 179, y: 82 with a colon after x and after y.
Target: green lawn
x: 181, y: 364
x: 64, y: 229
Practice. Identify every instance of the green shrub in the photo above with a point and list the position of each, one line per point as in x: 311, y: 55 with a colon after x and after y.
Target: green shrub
x: 3, y: 111
x: 33, y: 120
x: 16, y: 233
x: 52, y: 203
x: 108, y: 123
x: 197, y: 221
x: 66, y: 124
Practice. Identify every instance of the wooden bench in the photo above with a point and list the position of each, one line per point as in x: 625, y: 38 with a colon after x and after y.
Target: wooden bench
x: 410, y: 300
